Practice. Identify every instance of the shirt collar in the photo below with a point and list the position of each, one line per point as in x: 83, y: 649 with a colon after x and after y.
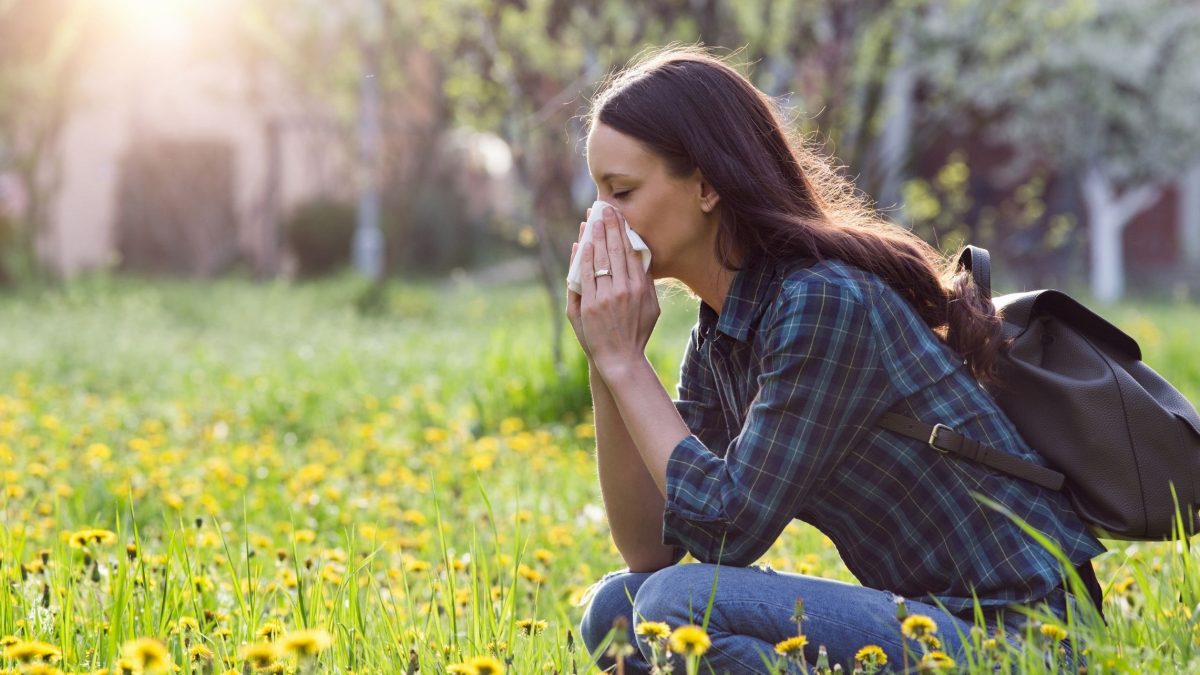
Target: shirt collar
x: 748, y: 297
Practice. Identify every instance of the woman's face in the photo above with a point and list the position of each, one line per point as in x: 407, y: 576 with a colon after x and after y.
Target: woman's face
x: 664, y: 210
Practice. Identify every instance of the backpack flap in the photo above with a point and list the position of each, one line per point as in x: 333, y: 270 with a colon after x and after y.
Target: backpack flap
x: 1075, y: 387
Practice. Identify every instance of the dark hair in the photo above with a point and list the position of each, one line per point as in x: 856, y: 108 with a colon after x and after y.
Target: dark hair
x: 779, y: 199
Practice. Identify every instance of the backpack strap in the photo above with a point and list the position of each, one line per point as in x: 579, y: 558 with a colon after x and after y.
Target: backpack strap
x: 978, y: 262
x: 945, y: 440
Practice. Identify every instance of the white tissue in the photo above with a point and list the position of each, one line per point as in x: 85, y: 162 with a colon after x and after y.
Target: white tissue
x: 597, y: 215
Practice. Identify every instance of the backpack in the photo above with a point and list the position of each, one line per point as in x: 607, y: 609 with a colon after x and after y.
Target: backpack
x: 1117, y: 436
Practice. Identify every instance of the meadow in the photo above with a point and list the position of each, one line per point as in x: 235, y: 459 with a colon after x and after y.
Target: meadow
x: 236, y: 477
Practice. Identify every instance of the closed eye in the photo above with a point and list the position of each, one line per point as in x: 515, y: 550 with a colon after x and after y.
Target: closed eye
x: 621, y: 195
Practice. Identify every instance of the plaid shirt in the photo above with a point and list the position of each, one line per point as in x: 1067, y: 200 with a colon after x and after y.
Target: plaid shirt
x: 782, y: 392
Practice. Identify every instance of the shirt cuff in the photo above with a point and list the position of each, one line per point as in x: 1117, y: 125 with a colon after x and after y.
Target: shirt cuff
x: 692, y: 517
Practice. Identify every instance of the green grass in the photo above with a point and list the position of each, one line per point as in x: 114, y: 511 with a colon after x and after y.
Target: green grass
x: 417, y: 480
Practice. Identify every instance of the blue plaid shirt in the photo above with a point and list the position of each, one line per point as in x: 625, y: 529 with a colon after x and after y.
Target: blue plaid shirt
x: 782, y: 392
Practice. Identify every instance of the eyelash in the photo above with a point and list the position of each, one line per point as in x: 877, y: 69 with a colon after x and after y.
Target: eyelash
x: 621, y: 195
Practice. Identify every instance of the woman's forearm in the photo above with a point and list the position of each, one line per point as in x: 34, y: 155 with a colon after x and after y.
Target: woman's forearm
x: 632, y: 500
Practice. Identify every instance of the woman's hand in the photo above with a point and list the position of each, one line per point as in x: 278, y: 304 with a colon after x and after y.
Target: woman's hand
x: 618, y: 309
x: 573, y: 299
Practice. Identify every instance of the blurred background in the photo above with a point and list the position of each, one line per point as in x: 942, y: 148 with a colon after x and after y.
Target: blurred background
x: 268, y: 139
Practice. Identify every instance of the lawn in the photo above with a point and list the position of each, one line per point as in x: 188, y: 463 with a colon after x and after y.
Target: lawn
x: 238, y: 472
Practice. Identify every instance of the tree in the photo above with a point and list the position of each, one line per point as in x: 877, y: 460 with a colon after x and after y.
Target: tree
x: 1104, y: 91
x: 40, y: 45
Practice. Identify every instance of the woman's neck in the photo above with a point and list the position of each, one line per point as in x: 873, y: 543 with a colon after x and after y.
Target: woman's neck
x: 711, y: 282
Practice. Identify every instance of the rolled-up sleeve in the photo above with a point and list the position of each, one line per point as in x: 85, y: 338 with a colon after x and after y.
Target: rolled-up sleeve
x: 820, y: 387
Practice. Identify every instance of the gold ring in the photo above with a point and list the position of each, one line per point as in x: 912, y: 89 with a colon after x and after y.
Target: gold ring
x: 603, y: 273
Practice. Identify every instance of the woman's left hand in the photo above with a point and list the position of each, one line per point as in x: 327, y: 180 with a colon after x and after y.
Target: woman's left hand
x: 619, y: 308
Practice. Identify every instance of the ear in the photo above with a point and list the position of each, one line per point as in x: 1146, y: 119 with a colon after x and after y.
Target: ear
x: 705, y: 193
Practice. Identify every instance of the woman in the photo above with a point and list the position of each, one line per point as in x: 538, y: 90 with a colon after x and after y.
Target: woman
x: 816, y: 318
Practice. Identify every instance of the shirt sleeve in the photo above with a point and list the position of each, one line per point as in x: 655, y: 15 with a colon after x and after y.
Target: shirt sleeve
x: 699, y: 404
x: 820, y: 387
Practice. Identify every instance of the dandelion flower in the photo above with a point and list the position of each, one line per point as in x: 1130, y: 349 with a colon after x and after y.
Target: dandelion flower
x: 917, y: 625
x: 487, y: 665
x: 461, y: 669
x: 531, y: 626
x: 148, y: 655
x: 260, y: 654
x: 200, y: 654
x: 935, y: 662
x: 306, y: 643
x: 85, y: 538
x: 871, y: 656
x: 1053, y: 632
x: 32, y: 651
x: 41, y: 669
x: 689, y: 640
x: 793, y: 647
x: 654, y: 630
x: 269, y: 631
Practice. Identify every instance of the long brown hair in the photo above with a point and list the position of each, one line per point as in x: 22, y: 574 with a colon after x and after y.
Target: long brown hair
x: 779, y: 199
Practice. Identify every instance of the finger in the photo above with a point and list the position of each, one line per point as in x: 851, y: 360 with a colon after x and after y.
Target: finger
x: 587, y: 282
x: 615, y: 239
x: 582, y: 224
x: 600, y: 252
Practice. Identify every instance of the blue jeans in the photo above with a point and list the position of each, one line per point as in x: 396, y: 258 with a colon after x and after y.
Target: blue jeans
x: 752, y: 611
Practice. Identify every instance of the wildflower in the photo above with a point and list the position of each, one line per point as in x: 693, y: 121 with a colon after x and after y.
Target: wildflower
x: 461, y: 669
x: 793, y: 647
x: 1053, y: 632
x: 901, y: 608
x: 306, y: 643
x: 620, y: 647
x: 487, y: 665
x: 260, y: 654
x: 531, y: 626
x: 935, y: 662
x: 991, y: 645
x: 871, y: 658
x: 84, y: 538
x: 147, y: 655
x: 930, y: 642
x: 200, y: 654
x: 689, y: 640
x: 654, y: 630
x: 32, y: 651
x: 188, y: 624
x: 269, y: 631
x: 917, y: 625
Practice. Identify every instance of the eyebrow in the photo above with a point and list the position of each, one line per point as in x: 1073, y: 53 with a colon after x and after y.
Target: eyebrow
x: 609, y: 176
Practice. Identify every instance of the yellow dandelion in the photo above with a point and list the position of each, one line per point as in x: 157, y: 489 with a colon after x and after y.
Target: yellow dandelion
x: 793, y: 647
x: 487, y: 665
x: 306, y: 643
x: 147, y: 655
x: 654, y: 630
x: 917, y: 625
x: 543, y: 556
x: 32, y: 651
x: 689, y: 640
x: 1053, y: 632
x: 461, y: 669
x: 188, y: 624
x: 936, y: 662
x: 85, y: 538
x: 531, y: 626
x: 871, y: 656
x: 930, y: 642
x: 200, y: 654
x: 269, y: 631
x: 260, y: 654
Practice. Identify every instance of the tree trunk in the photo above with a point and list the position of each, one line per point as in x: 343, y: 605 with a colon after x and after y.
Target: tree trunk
x: 1108, y: 214
x: 896, y: 138
x: 1189, y: 217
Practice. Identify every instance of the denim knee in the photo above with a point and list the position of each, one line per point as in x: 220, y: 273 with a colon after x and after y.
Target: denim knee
x: 610, y: 599
x: 676, y: 595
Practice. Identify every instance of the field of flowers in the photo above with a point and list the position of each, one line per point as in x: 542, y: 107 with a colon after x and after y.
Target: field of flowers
x: 233, y: 478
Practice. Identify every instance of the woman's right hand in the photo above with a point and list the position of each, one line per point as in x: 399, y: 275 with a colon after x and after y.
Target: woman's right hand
x: 574, y: 299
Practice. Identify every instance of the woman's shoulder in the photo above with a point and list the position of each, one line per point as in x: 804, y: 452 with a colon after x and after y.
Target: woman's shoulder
x: 828, y: 277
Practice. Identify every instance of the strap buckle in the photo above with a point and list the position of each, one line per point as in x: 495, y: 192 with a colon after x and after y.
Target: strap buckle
x: 933, y: 438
